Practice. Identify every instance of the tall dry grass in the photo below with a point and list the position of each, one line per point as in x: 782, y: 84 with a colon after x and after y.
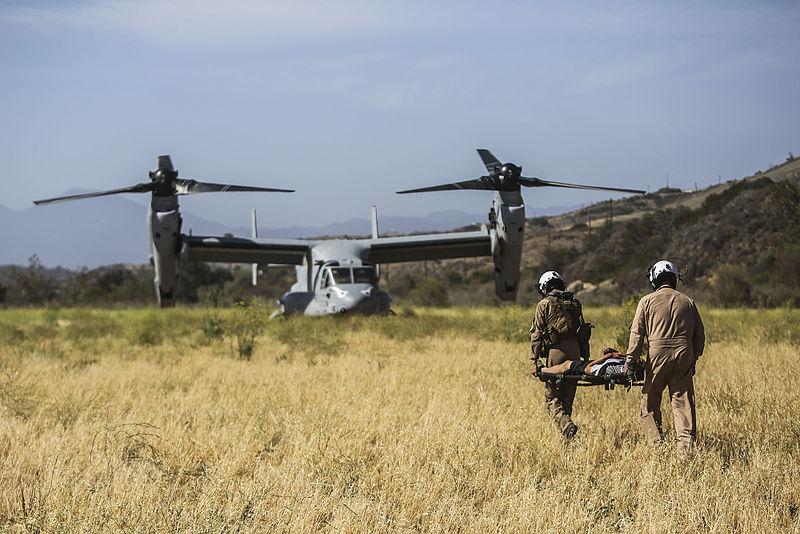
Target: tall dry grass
x: 138, y: 421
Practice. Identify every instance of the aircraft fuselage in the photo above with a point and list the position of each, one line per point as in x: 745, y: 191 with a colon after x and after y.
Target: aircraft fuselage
x: 341, y: 281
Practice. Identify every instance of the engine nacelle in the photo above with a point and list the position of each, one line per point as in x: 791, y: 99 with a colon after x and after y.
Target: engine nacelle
x: 164, y: 227
x: 508, y: 233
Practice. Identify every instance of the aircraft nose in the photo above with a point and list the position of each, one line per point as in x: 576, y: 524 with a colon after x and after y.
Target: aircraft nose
x: 363, y: 299
x: 357, y: 301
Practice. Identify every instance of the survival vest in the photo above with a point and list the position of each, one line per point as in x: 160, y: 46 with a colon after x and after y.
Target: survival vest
x: 566, y: 318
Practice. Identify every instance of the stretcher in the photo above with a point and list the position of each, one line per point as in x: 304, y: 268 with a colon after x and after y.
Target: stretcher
x: 609, y: 381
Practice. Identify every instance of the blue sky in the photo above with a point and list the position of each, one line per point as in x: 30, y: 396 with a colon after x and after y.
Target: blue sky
x: 349, y: 101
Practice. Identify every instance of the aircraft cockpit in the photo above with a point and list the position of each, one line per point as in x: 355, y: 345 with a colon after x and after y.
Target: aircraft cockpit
x: 334, y: 276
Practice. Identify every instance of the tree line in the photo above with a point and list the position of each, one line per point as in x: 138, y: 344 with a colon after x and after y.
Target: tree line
x: 126, y: 285
x: 742, y: 248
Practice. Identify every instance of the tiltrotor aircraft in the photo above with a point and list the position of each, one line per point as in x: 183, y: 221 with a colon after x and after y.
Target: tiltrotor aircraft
x: 164, y: 218
x: 341, y: 275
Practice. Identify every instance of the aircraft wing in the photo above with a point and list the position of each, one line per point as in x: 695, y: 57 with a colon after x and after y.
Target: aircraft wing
x: 430, y: 246
x: 244, y: 249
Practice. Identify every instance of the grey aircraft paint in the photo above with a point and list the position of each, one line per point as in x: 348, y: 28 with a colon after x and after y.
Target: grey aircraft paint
x: 337, y: 275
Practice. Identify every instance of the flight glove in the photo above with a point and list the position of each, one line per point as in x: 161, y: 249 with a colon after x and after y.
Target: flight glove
x: 631, y: 366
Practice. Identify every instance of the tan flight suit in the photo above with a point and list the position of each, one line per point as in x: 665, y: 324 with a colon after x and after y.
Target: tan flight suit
x: 673, y: 327
x: 559, y: 400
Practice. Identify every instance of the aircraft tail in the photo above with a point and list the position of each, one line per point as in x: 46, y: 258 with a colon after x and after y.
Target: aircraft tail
x: 375, y: 235
x: 254, y: 234
x: 374, y: 222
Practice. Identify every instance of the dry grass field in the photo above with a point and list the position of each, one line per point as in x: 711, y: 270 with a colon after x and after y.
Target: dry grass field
x: 149, y: 421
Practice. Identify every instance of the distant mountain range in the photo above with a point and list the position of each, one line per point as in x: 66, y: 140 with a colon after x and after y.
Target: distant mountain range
x: 92, y: 233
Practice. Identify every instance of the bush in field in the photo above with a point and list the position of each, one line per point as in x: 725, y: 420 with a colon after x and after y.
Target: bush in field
x: 781, y: 265
x: 245, y: 324
x: 732, y: 285
x: 212, y: 324
x: 452, y: 275
x: 196, y: 275
x: 400, y: 284
x: 430, y: 292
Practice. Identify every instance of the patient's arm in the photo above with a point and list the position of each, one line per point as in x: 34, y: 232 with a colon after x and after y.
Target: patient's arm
x: 558, y: 368
x: 600, y: 360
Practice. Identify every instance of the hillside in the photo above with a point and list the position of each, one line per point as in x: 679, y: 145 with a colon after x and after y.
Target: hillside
x: 737, y: 242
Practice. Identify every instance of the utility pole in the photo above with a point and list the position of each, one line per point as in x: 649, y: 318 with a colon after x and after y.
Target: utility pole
x: 589, y: 220
x: 610, y: 211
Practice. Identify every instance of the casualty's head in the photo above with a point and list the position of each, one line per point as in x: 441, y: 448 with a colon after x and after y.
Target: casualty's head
x: 663, y: 273
x: 549, y: 281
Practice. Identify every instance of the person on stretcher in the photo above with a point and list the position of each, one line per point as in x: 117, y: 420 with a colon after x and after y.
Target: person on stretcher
x: 612, y: 363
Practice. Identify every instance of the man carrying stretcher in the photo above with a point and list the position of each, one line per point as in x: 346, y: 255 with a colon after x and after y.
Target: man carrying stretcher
x: 560, y: 336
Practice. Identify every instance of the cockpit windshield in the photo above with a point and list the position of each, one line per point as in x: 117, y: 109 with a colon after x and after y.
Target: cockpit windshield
x: 364, y: 275
x: 341, y: 275
x: 347, y: 275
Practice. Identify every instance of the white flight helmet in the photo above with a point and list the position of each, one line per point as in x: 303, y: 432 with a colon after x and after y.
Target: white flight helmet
x: 546, y: 280
x: 664, y: 269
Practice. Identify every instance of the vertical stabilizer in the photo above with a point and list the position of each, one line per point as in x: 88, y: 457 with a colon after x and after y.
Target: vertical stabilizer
x: 375, y: 235
x: 254, y: 235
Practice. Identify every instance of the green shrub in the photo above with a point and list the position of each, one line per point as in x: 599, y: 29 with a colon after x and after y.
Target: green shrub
x: 430, y: 292
x: 245, y: 324
x: 212, y: 325
x: 732, y: 285
x: 401, y: 284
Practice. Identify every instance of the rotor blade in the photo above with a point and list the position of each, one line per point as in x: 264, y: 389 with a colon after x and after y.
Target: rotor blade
x: 478, y: 183
x: 491, y: 162
x: 138, y: 188
x: 188, y: 187
x: 537, y: 182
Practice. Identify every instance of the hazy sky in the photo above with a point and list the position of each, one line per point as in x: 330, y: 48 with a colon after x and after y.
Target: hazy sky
x: 348, y: 101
